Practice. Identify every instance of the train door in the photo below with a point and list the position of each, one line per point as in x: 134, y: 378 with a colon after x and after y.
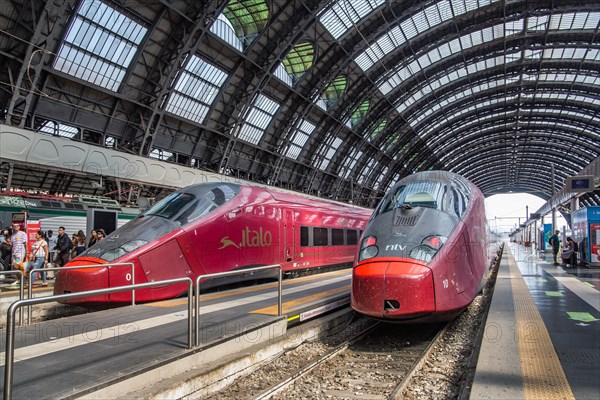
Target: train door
x: 288, y: 235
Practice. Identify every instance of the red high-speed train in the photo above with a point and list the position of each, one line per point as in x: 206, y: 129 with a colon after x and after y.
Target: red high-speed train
x: 215, y: 227
x: 424, y: 252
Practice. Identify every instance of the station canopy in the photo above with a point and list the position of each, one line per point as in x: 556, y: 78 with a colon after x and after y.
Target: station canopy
x: 338, y: 99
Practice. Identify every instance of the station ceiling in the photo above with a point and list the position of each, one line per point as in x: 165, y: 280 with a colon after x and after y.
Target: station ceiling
x: 338, y: 99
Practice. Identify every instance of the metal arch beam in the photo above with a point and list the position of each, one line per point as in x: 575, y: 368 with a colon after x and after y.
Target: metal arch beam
x: 465, y: 142
x: 492, y: 160
x: 495, y: 183
x: 563, y: 196
x: 452, y: 142
x: 491, y: 116
x: 537, y: 157
x: 494, y: 114
x: 166, y: 71
x: 46, y: 29
x: 393, y: 61
x: 574, y: 66
x: 515, y: 157
x: 515, y: 103
x: 474, y: 80
x: 529, y: 169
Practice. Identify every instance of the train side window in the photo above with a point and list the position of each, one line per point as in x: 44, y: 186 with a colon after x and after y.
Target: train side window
x: 320, y: 237
x: 304, y: 236
x: 352, y: 237
x: 337, y: 237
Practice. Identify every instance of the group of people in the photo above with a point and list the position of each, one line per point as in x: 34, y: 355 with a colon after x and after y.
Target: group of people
x: 47, y: 249
x: 568, y: 254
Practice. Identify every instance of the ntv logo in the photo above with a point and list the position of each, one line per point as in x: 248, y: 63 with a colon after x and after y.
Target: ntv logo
x: 250, y: 238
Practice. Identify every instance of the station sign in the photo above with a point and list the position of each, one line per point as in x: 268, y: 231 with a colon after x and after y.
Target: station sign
x: 580, y: 184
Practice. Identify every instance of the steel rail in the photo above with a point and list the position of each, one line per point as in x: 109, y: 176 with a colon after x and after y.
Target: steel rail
x: 267, y: 394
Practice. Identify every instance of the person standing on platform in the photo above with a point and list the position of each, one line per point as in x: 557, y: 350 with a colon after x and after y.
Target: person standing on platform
x: 93, y: 238
x: 18, y: 242
x: 555, y: 243
x: 80, y: 243
x: 39, y: 256
x: 100, y: 234
x: 6, y: 250
x: 51, y: 245
x: 64, y: 246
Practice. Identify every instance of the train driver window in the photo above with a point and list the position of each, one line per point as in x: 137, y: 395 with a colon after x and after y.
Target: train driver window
x: 208, y: 202
x: 414, y: 194
x: 171, y: 205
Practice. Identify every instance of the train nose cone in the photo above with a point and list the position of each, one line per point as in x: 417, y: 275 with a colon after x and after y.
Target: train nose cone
x: 396, y: 289
x: 71, y: 281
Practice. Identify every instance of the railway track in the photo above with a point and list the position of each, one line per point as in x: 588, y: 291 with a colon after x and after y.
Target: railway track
x: 376, y: 363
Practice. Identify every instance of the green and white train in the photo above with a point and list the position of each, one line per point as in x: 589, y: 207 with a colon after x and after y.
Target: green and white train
x: 52, y: 212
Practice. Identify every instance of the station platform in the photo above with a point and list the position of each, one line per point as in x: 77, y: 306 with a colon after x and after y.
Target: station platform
x: 121, y: 352
x: 542, y: 334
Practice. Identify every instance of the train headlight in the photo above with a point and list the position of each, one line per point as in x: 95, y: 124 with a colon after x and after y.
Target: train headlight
x: 434, y: 241
x: 428, y: 248
x: 368, y: 248
x: 422, y: 253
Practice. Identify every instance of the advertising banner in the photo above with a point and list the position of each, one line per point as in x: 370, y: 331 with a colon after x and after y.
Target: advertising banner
x: 547, y: 234
x: 32, y: 228
x: 595, y: 242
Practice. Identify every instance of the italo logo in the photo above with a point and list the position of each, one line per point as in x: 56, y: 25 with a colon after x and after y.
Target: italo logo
x: 250, y: 238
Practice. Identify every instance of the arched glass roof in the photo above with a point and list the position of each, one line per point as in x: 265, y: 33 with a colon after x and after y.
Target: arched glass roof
x: 339, y: 98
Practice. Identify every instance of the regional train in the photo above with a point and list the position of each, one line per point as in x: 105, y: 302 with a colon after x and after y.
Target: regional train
x: 424, y: 255
x: 215, y: 227
x: 52, y: 212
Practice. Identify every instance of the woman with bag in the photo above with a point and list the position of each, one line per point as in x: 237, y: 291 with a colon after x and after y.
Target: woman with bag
x: 39, y: 256
x: 568, y: 253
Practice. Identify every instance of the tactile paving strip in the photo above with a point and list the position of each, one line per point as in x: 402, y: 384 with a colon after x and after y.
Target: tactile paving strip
x: 543, y: 376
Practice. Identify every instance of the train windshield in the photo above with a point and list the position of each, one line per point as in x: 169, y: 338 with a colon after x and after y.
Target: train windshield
x: 414, y: 194
x: 173, y: 212
x: 186, y: 206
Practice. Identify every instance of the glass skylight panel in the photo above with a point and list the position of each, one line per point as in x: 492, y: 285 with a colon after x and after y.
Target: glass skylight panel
x: 62, y: 130
x: 380, y: 177
x: 299, y: 138
x: 196, y: 88
x: 223, y: 29
x: 160, y: 154
x: 351, y: 162
x: 345, y: 14
x: 282, y: 75
x: 414, y: 66
x: 99, y: 45
x: 571, y: 21
x: 366, y: 171
x: 329, y: 151
x: 257, y: 120
x: 536, y: 23
x: 418, y: 23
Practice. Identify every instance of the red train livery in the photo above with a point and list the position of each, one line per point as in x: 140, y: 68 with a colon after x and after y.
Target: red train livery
x: 215, y: 227
x: 424, y: 252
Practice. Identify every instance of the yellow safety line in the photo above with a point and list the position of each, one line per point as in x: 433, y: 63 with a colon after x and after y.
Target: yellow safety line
x: 215, y: 296
x: 543, y: 375
x: 288, y: 305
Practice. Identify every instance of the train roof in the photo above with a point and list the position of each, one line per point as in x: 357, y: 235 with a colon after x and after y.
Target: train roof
x: 436, y: 176
x: 290, y: 196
